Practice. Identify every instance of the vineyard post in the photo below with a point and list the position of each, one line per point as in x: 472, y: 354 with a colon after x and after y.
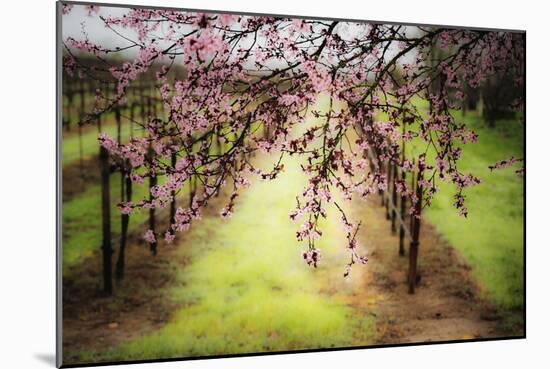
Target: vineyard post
x: 413, y: 188
x: 380, y: 167
x: 124, y: 217
x: 173, y: 194
x: 152, y: 215
x: 413, y: 251
x: 120, y: 265
x: 106, y: 246
x: 403, y: 196
x: 121, y: 262
x: 403, y: 209
x: 152, y: 183
x: 394, y: 197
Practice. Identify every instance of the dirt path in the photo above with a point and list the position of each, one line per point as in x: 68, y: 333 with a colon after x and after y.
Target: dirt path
x: 447, y: 303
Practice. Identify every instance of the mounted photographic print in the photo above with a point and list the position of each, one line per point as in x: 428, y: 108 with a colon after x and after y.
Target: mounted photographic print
x: 240, y: 184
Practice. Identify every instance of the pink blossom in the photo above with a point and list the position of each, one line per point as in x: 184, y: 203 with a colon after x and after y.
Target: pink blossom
x: 169, y: 236
x: 149, y: 236
x: 312, y: 257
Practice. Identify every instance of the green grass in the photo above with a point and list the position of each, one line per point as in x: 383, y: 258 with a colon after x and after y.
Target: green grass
x: 82, y: 221
x: 247, y: 288
x: 90, y: 145
x: 71, y: 141
x: 491, y: 238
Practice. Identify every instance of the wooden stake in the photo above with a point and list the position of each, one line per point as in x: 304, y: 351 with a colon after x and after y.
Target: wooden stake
x: 106, y: 247
x: 413, y: 251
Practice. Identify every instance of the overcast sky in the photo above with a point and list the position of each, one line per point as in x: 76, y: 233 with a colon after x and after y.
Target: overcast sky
x: 78, y: 20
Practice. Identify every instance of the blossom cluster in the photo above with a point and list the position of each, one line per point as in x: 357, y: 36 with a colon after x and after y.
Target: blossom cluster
x: 253, y: 84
